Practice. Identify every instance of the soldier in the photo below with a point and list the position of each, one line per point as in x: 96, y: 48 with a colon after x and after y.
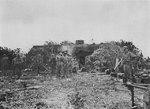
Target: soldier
x: 128, y: 60
x: 17, y: 65
x: 75, y: 65
x: 52, y: 63
x: 37, y: 63
x: 60, y: 64
x: 4, y: 64
x: 65, y: 65
x: 69, y: 65
x: 24, y: 61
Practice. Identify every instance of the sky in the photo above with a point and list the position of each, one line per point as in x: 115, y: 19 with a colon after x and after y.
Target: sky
x: 24, y: 23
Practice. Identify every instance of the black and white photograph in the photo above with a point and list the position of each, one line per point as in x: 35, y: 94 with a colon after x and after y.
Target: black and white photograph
x: 74, y: 54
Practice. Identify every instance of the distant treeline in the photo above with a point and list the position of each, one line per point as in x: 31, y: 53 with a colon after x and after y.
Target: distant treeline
x: 9, y: 53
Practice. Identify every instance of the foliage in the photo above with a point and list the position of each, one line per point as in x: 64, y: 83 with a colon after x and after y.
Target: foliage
x: 32, y: 54
x: 51, y: 47
x: 66, y: 66
x: 104, y: 56
x: 45, y: 50
x: 10, y: 53
x: 131, y: 47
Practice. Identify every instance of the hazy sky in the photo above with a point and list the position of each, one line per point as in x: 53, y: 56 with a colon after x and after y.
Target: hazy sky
x: 24, y: 23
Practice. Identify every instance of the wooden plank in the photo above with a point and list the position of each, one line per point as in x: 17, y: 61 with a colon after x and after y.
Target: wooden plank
x: 136, y: 86
x: 140, y: 84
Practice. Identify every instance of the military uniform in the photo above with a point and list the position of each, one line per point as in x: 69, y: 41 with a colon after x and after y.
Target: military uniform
x: 128, y: 65
x: 60, y: 65
x: 66, y: 66
x: 69, y: 65
x: 4, y: 65
x: 37, y: 63
x: 17, y: 66
x: 52, y: 63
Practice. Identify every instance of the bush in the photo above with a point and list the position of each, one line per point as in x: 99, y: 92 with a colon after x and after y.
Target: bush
x: 104, y: 57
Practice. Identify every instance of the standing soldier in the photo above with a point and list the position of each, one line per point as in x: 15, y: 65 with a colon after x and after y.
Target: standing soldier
x: 52, y: 63
x: 24, y: 61
x: 4, y: 65
x: 17, y: 65
x: 65, y: 65
x: 68, y: 65
x: 128, y: 60
x: 60, y: 64
x: 37, y: 63
x: 75, y: 65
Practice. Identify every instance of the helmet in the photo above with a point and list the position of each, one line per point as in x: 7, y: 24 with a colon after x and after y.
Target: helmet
x: 125, y: 47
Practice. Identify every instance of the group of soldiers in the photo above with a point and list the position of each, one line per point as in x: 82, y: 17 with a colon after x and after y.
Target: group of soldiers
x: 60, y: 65
x: 16, y: 65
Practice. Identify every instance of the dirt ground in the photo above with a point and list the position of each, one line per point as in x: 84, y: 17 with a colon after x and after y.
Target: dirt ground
x: 81, y: 91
